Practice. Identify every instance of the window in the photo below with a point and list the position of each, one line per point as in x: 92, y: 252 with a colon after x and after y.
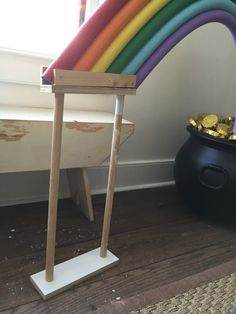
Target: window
x: 41, y: 26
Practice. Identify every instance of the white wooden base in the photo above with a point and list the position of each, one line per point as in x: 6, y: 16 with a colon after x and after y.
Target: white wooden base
x: 72, y: 272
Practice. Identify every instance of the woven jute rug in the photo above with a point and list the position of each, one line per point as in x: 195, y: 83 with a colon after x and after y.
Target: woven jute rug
x: 212, y: 291
x: 218, y: 296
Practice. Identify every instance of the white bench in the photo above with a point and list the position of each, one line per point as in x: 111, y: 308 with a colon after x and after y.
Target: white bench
x: 25, y: 144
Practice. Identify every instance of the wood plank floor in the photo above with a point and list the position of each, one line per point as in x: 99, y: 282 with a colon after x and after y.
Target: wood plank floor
x: 157, y: 239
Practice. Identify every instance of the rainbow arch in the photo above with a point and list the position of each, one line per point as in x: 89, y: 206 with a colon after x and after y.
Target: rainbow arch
x: 133, y: 36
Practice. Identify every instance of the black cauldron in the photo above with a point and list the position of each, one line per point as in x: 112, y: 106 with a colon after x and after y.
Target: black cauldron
x: 205, y: 174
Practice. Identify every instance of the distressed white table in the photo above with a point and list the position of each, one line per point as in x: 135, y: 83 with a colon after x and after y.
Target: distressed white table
x: 25, y: 141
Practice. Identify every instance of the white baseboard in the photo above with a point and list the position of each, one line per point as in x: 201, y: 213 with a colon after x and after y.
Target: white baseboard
x: 30, y: 187
x: 133, y: 175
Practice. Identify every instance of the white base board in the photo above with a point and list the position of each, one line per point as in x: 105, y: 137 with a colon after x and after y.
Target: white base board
x: 72, y: 272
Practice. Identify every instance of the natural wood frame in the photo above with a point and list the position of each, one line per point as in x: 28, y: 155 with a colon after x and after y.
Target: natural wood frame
x: 83, y: 83
x: 76, y: 82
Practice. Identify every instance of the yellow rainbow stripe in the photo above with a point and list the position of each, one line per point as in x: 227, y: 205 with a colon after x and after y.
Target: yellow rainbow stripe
x: 127, y: 34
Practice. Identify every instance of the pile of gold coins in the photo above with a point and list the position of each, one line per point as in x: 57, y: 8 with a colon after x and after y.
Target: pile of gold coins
x: 214, y: 125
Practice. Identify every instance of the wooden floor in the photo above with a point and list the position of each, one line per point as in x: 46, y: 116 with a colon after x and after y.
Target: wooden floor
x: 157, y: 239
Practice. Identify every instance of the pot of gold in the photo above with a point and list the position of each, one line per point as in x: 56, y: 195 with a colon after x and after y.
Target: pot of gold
x: 205, y: 167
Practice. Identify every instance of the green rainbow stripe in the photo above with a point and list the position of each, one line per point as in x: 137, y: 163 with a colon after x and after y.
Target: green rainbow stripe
x: 159, y: 20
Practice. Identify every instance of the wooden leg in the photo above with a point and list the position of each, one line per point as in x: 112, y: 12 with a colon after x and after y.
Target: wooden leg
x: 54, y: 182
x: 112, y: 174
x: 80, y: 190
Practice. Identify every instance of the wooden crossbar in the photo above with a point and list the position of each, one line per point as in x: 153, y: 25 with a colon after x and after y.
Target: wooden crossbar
x: 61, y: 89
x: 78, y: 82
x: 80, y: 78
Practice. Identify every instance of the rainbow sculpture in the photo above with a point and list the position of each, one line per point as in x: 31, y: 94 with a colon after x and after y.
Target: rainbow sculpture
x: 133, y: 36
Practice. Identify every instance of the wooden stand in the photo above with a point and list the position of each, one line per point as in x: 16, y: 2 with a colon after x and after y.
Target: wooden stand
x: 75, y: 270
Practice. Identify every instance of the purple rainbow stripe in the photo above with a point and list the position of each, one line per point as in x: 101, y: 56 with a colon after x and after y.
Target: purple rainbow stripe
x: 208, y: 17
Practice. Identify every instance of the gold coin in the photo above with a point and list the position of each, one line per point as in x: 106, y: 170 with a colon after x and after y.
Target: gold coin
x: 199, y: 126
x: 201, y: 116
x: 222, y: 119
x: 231, y: 125
x: 211, y: 132
x: 210, y: 121
x: 230, y: 118
x: 223, y: 129
x: 192, y: 122
x: 232, y: 137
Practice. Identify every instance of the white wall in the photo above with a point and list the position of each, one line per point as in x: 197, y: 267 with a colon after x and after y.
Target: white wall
x: 197, y: 76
